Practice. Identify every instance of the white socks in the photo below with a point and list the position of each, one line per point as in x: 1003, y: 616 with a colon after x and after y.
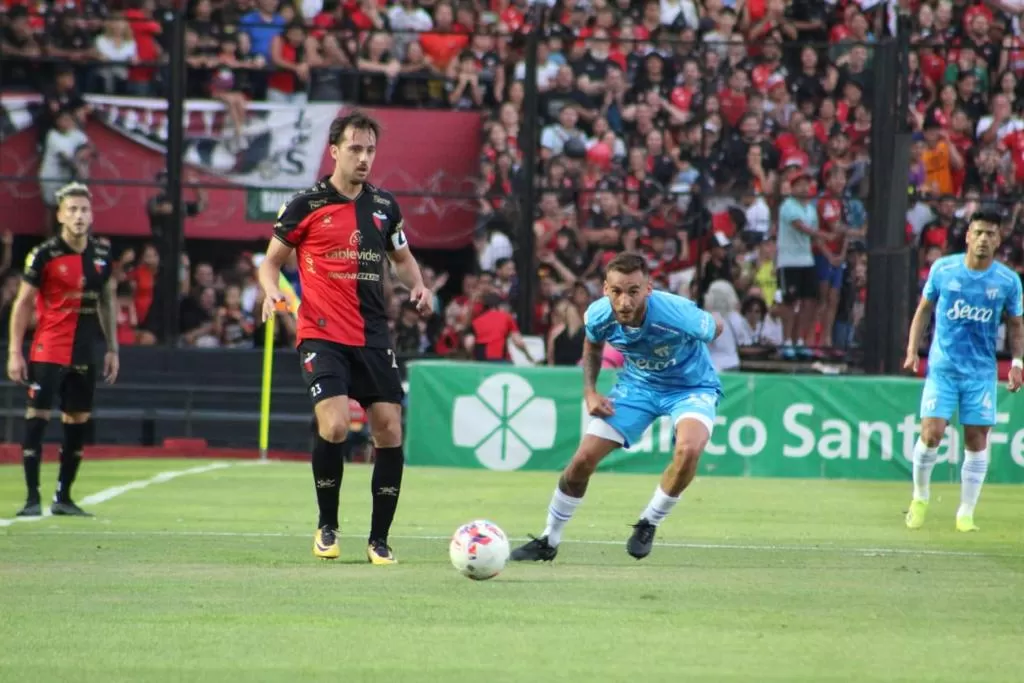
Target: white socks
x: 560, y: 511
x: 972, y: 476
x: 661, y: 504
x: 924, y: 463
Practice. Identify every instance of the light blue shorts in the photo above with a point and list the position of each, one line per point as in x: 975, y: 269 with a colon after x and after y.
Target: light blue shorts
x: 637, y: 407
x: 973, y: 399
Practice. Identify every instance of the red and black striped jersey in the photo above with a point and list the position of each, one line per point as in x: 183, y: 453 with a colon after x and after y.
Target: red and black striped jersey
x: 342, y: 246
x: 70, y: 285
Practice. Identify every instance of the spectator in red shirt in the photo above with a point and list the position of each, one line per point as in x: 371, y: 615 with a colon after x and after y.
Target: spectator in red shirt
x: 491, y: 332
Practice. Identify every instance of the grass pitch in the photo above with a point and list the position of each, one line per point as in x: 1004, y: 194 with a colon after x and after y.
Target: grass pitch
x: 209, y: 577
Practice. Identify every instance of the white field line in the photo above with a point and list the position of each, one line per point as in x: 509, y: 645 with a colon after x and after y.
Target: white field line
x: 115, y: 491
x: 742, y: 547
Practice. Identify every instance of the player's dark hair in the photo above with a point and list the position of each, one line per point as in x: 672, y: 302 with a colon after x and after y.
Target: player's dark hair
x: 355, y: 120
x: 986, y: 216
x: 628, y: 263
x: 73, y: 190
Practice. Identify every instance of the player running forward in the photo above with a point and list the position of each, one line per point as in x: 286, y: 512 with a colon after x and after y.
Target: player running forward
x: 969, y: 293
x: 67, y: 280
x: 668, y: 371
x: 344, y: 230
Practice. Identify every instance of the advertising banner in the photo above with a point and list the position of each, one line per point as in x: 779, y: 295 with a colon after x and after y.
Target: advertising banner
x: 502, y: 417
x: 282, y: 148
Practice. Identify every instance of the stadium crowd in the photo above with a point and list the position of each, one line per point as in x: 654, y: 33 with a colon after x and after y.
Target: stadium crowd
x: 699, y: 132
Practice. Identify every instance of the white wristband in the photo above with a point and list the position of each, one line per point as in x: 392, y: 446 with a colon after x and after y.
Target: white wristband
x: 1017, y: 363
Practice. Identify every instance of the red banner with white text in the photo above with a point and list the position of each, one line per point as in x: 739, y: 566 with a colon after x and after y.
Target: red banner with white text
x: 283, y: 148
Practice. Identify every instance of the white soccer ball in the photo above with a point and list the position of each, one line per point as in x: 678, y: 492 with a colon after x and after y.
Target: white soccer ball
x: 479, y: 550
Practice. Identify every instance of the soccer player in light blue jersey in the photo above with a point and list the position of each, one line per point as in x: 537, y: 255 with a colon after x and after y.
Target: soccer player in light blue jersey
x: 969, y: 294
x: 663, y: 339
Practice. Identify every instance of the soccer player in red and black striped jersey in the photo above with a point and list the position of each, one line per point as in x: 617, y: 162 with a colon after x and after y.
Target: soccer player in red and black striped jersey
x: 343, y: 231
x: 67, y: 279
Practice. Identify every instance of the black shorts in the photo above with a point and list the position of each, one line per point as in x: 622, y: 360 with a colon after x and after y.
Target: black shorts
x: 365, y: 374
x: 74, y: 385
x: 798, y: 283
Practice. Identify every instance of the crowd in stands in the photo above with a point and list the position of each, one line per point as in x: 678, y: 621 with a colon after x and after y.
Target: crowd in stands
x: 710, y: 135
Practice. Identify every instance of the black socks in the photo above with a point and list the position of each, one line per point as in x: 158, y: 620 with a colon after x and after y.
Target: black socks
x: 328, y: 467
x: 32, y: 454
x: 70, y: 458
x: 385, y: 486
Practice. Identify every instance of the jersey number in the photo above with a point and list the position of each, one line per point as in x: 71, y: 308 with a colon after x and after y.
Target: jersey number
x: 316, y: 390
x: 394, y: 361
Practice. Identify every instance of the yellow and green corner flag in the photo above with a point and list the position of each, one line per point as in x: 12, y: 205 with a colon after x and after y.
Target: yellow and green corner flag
x: 293, y: 302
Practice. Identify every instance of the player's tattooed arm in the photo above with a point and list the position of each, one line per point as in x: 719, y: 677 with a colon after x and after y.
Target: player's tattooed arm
x: 108, y: 314
x: 592, y: 353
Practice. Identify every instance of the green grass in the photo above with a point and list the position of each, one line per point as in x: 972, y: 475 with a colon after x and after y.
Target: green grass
x: 210, y: 578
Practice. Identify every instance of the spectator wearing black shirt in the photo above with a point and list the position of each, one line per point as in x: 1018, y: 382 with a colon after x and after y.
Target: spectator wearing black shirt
x: 69, y: 40
x: 198, y: 317
x: 592, y: 68
x: 20, y: 49
x: 565, y: 93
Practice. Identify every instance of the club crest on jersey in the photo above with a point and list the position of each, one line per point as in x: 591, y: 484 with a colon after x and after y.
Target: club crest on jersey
x: 992, y: 292
x: 307, y: 361
x: 100, y: 264
x: 380, y: 219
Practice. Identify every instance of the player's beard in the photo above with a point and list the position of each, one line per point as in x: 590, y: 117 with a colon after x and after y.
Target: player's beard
x: 77, y: 230
x: 359, y: 175
x: 631, y: 319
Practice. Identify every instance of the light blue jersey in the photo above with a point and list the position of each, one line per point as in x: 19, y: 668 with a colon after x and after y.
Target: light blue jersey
x: 668, y: 370
x: 969, y: 306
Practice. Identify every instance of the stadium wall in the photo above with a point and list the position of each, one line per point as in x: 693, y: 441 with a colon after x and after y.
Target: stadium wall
x: 501, y: 417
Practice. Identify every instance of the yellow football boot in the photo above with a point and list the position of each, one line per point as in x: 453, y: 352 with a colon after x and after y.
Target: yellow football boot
x: 325, y: 544
x: 916, y: 514
x: 965, y: 523
x: 379, y: 552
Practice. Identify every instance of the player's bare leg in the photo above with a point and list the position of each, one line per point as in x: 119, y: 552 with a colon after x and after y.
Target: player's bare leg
x: 332, y: 421
x: 692, y: 436
x: 568, y: 495
x: 76, y: 426
x: 933, y: 429
x: 32, y: 458
x: 972, y: 474
x: 386, y: 481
